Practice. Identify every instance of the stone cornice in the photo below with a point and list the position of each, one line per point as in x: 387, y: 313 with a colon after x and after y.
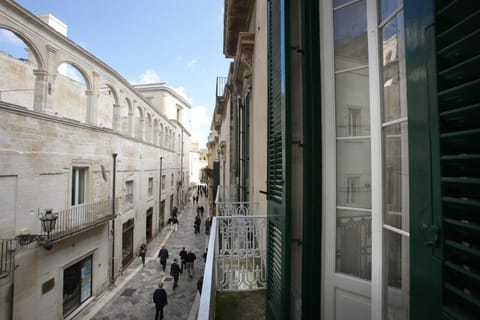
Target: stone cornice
x: 236, y: 19
x: 243, y: 64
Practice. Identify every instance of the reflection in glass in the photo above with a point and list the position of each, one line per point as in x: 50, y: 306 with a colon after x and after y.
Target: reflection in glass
x: 354, y: 173
x: 396, y: 261
x: 352, y: 103
x: 388, y: 7
x: 354, y: 243
x: 396, y: 175
x: 351, y: 48
x: 392, y: 34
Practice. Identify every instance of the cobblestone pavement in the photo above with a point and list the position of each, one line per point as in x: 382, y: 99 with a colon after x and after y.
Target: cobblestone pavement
x: 131, y: 297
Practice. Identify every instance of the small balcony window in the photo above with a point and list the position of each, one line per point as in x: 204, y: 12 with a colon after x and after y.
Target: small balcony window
x: 150, y: 186
x: 129, y: 191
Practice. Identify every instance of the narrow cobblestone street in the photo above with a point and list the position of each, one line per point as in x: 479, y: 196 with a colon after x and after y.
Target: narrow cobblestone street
x: 131, y: 297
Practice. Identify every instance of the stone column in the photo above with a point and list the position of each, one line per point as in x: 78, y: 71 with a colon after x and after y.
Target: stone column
x: 116, y: 118
x: 40, y: 90
x: 130, y: 122
x: 90, y: 119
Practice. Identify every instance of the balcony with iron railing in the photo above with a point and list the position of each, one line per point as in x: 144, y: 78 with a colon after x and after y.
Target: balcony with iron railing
x: 7, y: 256
x: 220, y: 87
x: 234, y: 283
x: 81, y: 218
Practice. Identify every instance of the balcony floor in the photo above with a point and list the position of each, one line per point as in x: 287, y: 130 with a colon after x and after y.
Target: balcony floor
x: 241, y: 305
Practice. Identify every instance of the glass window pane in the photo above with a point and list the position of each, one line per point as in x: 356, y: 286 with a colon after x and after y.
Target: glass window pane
x: 394, y: 105
x: 81, y: 185
x: 354, y: 243
x: 396, y: 262
x: 395, y: 187
x: 388, y: 6
x: 337, y: 3
x: 352, y: 106
x: 350, y: 24
x: 354, y: 173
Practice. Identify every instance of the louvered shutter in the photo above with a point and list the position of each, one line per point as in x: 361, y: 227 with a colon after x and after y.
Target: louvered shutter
x: 458, y: 82
x: 276, y: 175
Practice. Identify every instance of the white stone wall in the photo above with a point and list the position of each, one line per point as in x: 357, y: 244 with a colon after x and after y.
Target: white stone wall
x: 49, y: 123
x: 258, y: 109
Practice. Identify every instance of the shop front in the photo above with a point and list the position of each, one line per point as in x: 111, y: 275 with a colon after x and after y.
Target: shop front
x: 77, y: 284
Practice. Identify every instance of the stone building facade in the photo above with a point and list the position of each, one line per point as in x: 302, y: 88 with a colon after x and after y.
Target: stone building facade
x: 109, y: 158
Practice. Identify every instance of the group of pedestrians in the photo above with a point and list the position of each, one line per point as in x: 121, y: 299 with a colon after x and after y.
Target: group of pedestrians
x: 187, y: 260
x: 184, y: 262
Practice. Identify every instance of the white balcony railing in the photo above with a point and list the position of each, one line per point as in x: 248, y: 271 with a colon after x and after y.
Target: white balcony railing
x: 236, y: 259
x: 80, y: 218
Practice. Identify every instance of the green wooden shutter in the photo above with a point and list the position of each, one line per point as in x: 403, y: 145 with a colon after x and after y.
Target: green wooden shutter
x: 443, y: 70
x: 458, y: 82
x: 278, y: 251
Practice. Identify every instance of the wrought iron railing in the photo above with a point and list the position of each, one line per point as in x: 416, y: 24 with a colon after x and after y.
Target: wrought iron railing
x: 236, y: 259
x: 240, y: 253
x: 7, y: 256
x: 228, y: 209
x: 220, y: 87
x: 81, y: 218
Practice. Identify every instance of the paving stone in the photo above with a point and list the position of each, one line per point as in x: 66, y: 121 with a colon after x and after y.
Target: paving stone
x: 134, y: 299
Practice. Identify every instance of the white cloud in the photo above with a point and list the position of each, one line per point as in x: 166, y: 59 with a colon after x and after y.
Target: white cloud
x: 199, y: 136
x: 148, y: 76
x: 192, y: 62
x: 200, y: 118
x: 221, y: 16
x: 9, y: 37
x: 181, y: 90
x: 199, y: 124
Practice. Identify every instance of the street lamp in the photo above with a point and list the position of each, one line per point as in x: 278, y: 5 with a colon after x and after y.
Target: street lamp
x: 48, y: 221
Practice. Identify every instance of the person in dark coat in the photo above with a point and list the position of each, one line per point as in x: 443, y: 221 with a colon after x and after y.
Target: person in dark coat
x: 190, y: 259
x: 163, y: 255
x: 208, y: 222
x: 200, y: 284
x: 160, y: 299
x: 175, y: 272
x: 197, y: 223
x: 143, y: 253
x: 205, y: 255
x: 182, y: 254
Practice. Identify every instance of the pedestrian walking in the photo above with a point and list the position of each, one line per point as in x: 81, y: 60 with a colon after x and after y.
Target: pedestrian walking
x: 163, y: 255
x: 200, y: 284
x: 175, y: 223
x: 196, y: 224
x: 182, y: 254
x: 205, y: 255
x: 190, y: 259
x: 160, y: 299
x: 208, y: 222
x: 175, y: 272
x: 143, y: 253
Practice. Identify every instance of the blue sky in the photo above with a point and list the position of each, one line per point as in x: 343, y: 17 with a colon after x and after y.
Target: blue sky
x: 179, y: 42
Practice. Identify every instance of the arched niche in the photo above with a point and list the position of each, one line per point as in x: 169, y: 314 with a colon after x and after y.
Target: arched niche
x: 126, y: 117
x: 148, y: 128
x: 139, y: 123
x: 107, y: 103
x: 156, y: 131
x: 69, y: 93
x: 19, y: 60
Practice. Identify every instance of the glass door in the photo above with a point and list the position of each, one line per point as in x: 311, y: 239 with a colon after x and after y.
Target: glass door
x: 365, y: 155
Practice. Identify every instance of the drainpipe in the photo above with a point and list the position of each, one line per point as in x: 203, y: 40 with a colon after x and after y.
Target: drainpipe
x: 114, y: 155
x: 160, y: 195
